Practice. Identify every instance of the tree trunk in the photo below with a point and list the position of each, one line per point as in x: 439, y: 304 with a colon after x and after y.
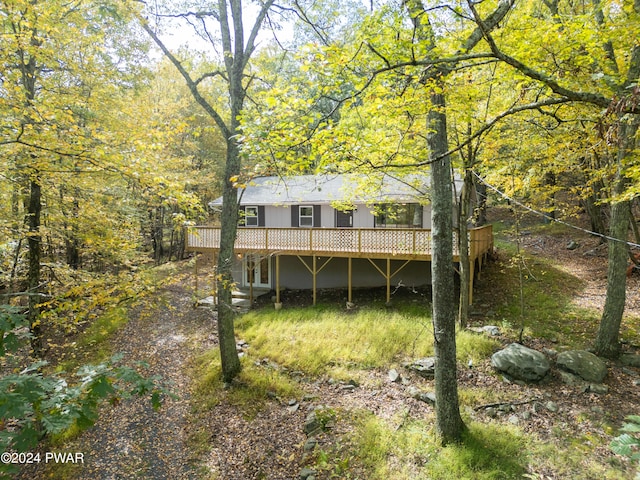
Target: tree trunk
x: 594, y: 208
x: 480, y: 212
x: 550, y: 181
x: 34, y: 208
x: 463, y: 249
x: 229, y: 225
x: 449, y: 424
x: 607, y: 343
x: 72, y: 244
x: 157, y: 233
x: 634, y: 224
x: 236, y: 55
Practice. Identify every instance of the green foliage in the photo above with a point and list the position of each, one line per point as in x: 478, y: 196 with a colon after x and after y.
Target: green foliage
x: 13, y: 329
x: 33, y: 405
x: 108, y: 146
x: 628, y: 442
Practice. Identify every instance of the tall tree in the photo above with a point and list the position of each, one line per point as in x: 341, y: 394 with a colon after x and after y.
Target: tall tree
x: 448, y: 420
x: 402, y: 76
x: 48, y: 74
x: 236, y: 52
x: 589, y: 58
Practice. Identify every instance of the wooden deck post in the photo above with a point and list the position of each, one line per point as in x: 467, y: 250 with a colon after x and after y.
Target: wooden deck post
x: 349, y: 280
x: 388, y: 275
x: 314, y: 270
x: 196, y: 273
x: 277, y: 280
x: 472, y: 268
x: 314, y: 274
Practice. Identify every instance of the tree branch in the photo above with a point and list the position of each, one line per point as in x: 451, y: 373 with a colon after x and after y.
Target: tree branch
x: 251, y: 42
x: 193, y: 86
x: 584, y: 97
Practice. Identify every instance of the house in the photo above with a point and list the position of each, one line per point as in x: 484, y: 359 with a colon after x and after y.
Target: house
x: 333, y: 231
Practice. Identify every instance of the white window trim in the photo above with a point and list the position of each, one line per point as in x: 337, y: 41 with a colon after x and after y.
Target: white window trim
x: 247, y: 216
x: 310, y: 217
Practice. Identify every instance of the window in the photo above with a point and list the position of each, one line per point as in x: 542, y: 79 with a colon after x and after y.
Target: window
x: 306, y: 216
x: 391, y: 215
x: 251, y: 216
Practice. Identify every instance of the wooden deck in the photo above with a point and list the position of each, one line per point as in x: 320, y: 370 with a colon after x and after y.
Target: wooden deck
x: 407, y: 244
x: 350, y: 243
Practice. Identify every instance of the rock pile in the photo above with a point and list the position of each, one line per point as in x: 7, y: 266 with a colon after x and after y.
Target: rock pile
x: 521, y: 363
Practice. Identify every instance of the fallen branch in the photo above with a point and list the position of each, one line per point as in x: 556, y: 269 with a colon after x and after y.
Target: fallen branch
x: 500, y: 404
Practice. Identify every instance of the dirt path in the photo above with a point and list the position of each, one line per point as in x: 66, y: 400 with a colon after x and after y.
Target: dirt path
x: 131, y: 440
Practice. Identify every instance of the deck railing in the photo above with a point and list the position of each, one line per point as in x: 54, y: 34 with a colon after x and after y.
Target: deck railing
x: 337, y: 241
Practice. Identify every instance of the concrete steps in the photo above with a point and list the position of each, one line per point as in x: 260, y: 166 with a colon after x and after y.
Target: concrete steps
x: 241, y: 299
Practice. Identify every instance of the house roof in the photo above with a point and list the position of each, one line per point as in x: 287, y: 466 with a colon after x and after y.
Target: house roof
x: 326, y: 189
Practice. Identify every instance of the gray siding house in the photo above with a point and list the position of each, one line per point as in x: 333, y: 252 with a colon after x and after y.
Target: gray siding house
x: 333, y: 231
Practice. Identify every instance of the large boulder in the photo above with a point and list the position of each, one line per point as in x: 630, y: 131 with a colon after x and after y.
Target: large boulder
x: 521, y: 363
x: 583, y: 364
x: 630, y: 359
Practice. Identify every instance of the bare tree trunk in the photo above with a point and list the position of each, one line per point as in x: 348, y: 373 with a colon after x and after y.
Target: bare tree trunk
x: 607, y: 340
x: 463, y: 249
x: 229, y: 224
x: 34, y: 209
x: 449, y: 424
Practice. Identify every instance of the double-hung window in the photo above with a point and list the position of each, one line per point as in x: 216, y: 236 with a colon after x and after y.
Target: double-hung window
x: 306, y: 216
x: 251, y: 216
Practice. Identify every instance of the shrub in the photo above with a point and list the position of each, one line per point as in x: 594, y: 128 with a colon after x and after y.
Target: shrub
x: 33, y: 404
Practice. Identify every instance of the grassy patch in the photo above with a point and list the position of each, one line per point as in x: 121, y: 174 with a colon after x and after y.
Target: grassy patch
x: 316, y: 339
x: 411, y: 451
x: 407, y: 449
x: 545, y: 309
x: 325, y: 340
x: 255, y: 385
x: 489, y: 452
x: 472, y: 346
x: 92, y: 346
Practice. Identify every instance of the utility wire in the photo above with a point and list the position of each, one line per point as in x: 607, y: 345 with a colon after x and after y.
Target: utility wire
x: 549, y: 217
